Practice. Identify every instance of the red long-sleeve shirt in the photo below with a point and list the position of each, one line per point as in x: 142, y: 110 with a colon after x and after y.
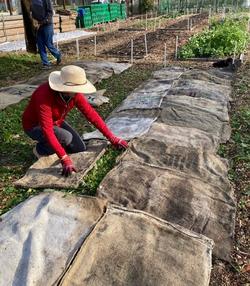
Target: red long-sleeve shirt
x: 47, y: 109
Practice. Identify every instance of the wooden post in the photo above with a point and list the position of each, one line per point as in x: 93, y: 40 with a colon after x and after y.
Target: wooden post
x: 146, y: 22
x: 188, y: 23
x: 132, y: 51
x: 146, y: 44
x: 176, y: 47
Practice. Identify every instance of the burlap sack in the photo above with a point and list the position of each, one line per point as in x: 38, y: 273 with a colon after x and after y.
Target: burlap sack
x: 136, y: 249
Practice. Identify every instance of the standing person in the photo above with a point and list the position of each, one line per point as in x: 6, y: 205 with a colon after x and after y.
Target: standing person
x: 42, y: 12
x: 44, y: 117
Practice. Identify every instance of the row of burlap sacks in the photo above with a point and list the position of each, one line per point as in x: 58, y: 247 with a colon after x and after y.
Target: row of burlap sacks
x: 172, y: 188
x: 173, y: 171
x: 175, y: 122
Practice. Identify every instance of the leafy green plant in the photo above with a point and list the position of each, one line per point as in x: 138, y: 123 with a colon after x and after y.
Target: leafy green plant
x: 224, y: 38
x: 147, y: 5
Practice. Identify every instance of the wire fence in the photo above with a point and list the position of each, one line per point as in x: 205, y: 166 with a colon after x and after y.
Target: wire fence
x: 196, y: 6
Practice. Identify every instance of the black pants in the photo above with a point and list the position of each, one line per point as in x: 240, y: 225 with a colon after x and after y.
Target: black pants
x: 66, y: 135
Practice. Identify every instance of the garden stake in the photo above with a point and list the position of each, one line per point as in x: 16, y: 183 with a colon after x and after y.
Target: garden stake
x: 4, y: 30
x: 159, y: 26
x: 176, y: 47
x: 223, y: 13
x: 132, y: 50
x: 154, y: 24
x: 191, y: 24
x: 146, y: 22
x: 165, y: 55
x: 235, y: 47
x: 95, y: 45
x: 146, y: 44
x: 110, y: 28
x: 15, y: 44
x: 57, y: 46
x: 188, y: 23
x: 77, y: 49
x: 242, y: 57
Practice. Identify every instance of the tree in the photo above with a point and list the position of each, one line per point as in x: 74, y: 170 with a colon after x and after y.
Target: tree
x: 29, y: 27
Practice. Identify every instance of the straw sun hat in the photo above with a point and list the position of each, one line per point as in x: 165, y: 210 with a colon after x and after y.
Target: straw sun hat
x: 71, y: 79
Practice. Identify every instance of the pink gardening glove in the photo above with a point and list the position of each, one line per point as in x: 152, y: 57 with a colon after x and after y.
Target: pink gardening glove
x: 68, y: 167
x: 119, y: 143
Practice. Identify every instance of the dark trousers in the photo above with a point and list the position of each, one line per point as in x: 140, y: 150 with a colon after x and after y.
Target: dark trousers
x: 66, y: 135
x: 45, y: 40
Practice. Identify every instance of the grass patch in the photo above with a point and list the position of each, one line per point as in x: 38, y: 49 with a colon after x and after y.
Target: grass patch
x: 95, y: 176
x: 237, y: 151
x: 16, y: 147
x: 18, y: 67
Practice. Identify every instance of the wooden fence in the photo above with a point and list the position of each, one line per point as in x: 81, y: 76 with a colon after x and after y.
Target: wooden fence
x: 12, y: 28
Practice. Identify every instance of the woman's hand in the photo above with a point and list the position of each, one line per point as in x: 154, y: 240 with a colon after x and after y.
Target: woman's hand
x: 119, y: 143
x: 68, y: 167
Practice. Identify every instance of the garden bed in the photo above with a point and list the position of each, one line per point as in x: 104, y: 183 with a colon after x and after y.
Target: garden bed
x: 16, y: 149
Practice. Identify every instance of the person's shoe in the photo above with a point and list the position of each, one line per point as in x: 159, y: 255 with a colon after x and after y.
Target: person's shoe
x: 46, y: 67
x: 38, y: 156
x: 59, y: 61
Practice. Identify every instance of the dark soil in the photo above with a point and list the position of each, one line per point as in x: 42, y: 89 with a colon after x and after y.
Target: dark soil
x: 117, y: 44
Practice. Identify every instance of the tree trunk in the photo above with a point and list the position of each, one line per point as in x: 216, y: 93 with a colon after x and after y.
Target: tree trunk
x: 29, y: 28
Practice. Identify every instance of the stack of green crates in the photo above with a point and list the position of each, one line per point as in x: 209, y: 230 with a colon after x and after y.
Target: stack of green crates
x: 100, y: 13
x: 87, y: 18
x: 115, y: 12
x: 123, y: 11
